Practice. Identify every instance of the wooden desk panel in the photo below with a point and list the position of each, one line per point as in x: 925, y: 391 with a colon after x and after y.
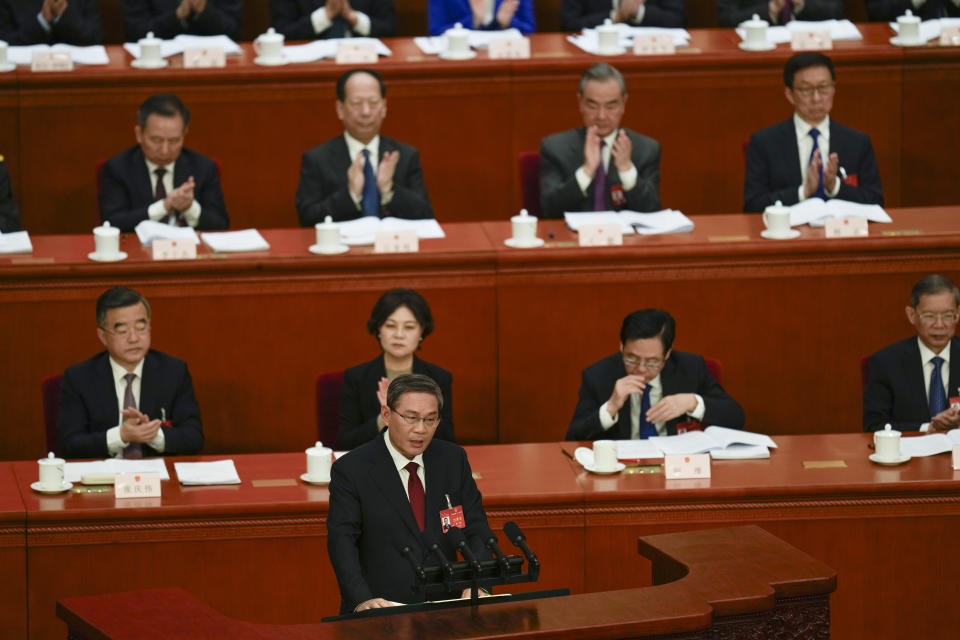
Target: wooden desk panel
x: 13, y: 556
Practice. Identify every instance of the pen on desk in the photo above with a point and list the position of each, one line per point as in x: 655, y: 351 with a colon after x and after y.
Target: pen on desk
x: 567, y: 453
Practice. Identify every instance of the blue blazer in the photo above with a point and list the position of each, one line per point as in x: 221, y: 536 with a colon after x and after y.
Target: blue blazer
x: 446, y: 13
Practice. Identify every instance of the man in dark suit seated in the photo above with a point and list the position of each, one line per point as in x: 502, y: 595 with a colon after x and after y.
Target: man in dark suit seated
x: 160, y: 179
x: 599, y: 166
x: 809, y: 155
x: 910, y: 381
x: 169, y: 18
x: 361, y: 173
x: 316, y: 19
x: 128, y: 401
x: 926, y: 9
x: 9, y: 213
x: 24, y: 22
x: 730, y: 13
x: 646, y: 388
x: 392, y: 492
x: 576, y: 15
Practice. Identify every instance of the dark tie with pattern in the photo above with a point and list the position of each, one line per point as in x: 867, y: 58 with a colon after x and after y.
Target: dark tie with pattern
x: 815, y: 134
x: 134, y: 449
x: 415, y: 491
x: 786, y: 14
x: 161, y: 191
x: 938, y: 397
x: 600, y: 184
x: 647, y: 428
x: 370, y: 199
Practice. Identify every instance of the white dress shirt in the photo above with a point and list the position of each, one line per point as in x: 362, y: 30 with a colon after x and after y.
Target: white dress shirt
x: 321, y: 23
x: 805, y: 144
x: 157, y: 211
x: 628, y: 178
x: 400, y: 461
x: 115, y: 445
x: 926, y: 358
x: 355, y: 148
x: 637, y: 19
x: 636, y: 399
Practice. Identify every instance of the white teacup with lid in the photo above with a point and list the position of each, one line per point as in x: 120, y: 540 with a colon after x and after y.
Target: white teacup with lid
x: 151, y: 51
x: 319, y: 461
x: 608, y: 39
x: 756, y: 32
x: 4, y: 65
x: 776, y: 218
x: 458, y: 41
x: 909, y: 32
x: 328, y: 235
x: 887, y: 444
x: 50, y: 473
x: 269, y: 47
x: 106, y: 238
x: 605, y: 455
x: 524, y: 229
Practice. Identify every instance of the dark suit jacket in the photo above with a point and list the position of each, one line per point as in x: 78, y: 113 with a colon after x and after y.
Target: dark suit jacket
x: 370, y: 520
x: 359, y: 406
x: 576, y: 15
x: 89, y: 405
x: 160, y: 17
x: 773, y: 166
x: 292, y: 17
x: 682, y: 373
x: 79, y: 24
x: 895, y: 392
x: 9, y: 213
x: 893, y: 9
x: 561, y: 154
x: 323, y: 190
x: 730, y: 13
x: 125, y: 192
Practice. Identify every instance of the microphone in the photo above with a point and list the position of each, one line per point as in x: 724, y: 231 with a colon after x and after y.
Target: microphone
x: 461, y: 543
x: 513, y: 533
x: 491, y: 544
x: 434, y: 548
x: 405, y: 550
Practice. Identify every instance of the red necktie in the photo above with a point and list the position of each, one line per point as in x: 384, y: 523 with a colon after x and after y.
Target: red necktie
x: 415, y: 491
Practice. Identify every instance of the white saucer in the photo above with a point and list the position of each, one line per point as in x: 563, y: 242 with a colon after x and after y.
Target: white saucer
x: 466, y: 56
x: 767, y: 47
x: 39, y: 488
x: 121, y: 255
x: 895, y: 40
x: 271, y: 62
x: 618, y: 52
x: 793, y: 233
x: 137, y: 63
x: 888, y: 463
x: 306, y: 478
x: 7, y: 66
x: 529, y: 244
x: 340, y: 248
x: 593, y: 469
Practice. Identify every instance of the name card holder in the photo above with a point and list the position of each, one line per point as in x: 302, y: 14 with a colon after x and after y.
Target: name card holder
x: 136, y: 485
x: 811, y: 41
x: 950, y: 36
x: 396, y: 242
x: 167, y: 249
x: 51, y: 61
x: 204, y: 58
x: 600, y: 235
x: 357, y: 53
x: 514, y: 48
x: 855, y: 227
x: 653, y: 45
x: 956, y: 457
x: 682, y: 467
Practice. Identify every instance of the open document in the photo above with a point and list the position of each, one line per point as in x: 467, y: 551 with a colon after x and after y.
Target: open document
x: 74, y: 471
x: 666, y: 221
x: 320, y: 49
x: 94, y: 54
x: 838, y: 29
x: 184, y: 41
x: 720, y: 442
x: 814, y: 211
x: 931, y: 445
x: 204, y: 473
x: 590, y: 42
x: 364, y: 230
x: 15, y: 242
x: 150, y: 230
x: 242, y: 240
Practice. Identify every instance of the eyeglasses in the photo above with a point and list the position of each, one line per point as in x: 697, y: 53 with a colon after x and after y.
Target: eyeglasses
x: 412, y: 421
x: 807, y: 91
x: 928, y: 317
x: 125, y: 332
x: 650, y: 364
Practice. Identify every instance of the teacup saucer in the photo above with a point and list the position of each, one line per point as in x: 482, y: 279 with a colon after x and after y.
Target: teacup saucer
x: 523, y: 244
x: 328, y: 251
x: 793, y: 233
x: 764, y: 47
x: 592, y: 468
x: 306, y: 478
x: 619, y: 51
x: 469, y: 55
x: 895, y: 40
x: 117, y: 257
x: 271, y: 62
x: 889, y: 463
x: 39, y: 488
x: 7, y: 66
x: 137, y: 63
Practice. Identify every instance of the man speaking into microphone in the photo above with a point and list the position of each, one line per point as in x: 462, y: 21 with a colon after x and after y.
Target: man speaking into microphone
x: 401, y: 490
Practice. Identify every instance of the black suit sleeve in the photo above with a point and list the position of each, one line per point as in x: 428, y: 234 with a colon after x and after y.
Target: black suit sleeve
x: 869, y: 189
x: 886, y: 396
x: 115, y: 198
x: 559, y: 190
x: 354, y: 430
x: 665, y: 13
x: 731, y: 13
x: 209, y: 193
x: 344, y: 530
x: 380, y: 12
x: 585, y: 424
x: 9, y: 212
x: 410, y: 199
x: 79, y: 24
x: 321, y: 194
x: 758, y: 176
x: 645, y: 195
x: 576, y: 15
x: 219, y: 17
x: 719, y: 408
x: 77, y: 439
x: 293, y: 22
x: 186, y: 435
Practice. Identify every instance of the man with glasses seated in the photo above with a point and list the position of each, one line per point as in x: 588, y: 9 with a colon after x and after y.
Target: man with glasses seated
x: 128, y: 401
x: 910, y: 382
x: 647, y: 388
x: 809, y: 155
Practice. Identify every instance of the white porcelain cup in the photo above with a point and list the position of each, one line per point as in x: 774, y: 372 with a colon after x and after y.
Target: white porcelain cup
x: 51, y: 471
x: 458, y: 41
x: 269, y: 45
x: 887, y: 444
x: 328, y: 233
x: 909, y: 27
x: 524, y: 227
x: 608, y: 37
x: 605, y: 455
x: 3, y: 52
x: 150, y: 49
x: 319, y: 461
x: 107, y: 240
x: 756, y: 30
x: 776, y: 218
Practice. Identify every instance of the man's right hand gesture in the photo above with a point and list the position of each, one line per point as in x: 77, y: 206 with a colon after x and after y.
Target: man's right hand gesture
x: 373, y: 603
x: 591, y: 152
x: 625, y: 386
x: 181, y: 198
x: 355, y: 176
x: 137, y: 427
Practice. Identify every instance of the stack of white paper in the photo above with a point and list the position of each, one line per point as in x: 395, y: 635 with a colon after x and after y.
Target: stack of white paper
x: 720, y: 442
x: 814, y: 211
x: 364, y: 230
x: 74, y: 471
x: 201, y: 473
x: 95, y: 54
x: 183, y: 42
x: 589, y: 41
x: 923, y: 446
x: 576, y: 220
x: 434, y: 45
x: 638, y: 449
x: 150, y: 230
x: 930, y: 29
x: 839, y: 30
x: 320, y: 49
x: 245, y: 240
x: 16, y: 242
x: 666, y: 221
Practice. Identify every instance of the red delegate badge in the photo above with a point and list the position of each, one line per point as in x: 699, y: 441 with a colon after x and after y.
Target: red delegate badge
x: 452, y: 517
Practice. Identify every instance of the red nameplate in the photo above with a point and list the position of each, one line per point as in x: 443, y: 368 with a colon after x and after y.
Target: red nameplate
x: 692, y: 425
x: 452, y: 517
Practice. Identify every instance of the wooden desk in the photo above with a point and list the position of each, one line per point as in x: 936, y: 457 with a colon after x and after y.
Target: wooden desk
x: 13, y: 556
x: 258, y: 121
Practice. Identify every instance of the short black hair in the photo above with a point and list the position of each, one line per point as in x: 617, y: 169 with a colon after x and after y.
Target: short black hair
x: 649, y: 323
x: 163, y: 104
x: 805, y: 60
x: 393, y: 300
x: 412, y: 383
x: 342, y: 82
x: 932, y: 285
x: 118, y: 298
